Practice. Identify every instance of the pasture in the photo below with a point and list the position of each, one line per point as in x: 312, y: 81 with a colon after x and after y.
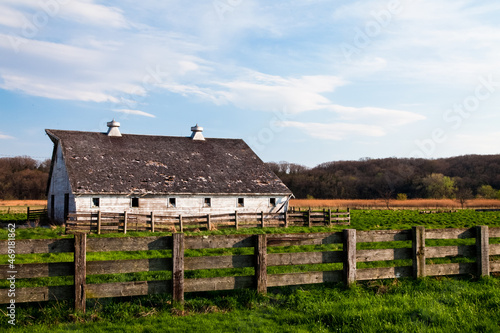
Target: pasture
x: 401, y: 305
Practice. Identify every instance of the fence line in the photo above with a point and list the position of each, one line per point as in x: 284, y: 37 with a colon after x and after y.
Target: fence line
x: 102, y: 222
x: 261, y: 260
x: 36, y: 214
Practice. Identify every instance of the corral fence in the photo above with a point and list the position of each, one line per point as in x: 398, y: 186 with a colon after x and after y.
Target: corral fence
x: 102, y: 222
x: 266, y: 253
x: 36, y: 214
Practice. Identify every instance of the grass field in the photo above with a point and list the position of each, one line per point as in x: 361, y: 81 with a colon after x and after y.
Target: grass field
x: 427, y: 305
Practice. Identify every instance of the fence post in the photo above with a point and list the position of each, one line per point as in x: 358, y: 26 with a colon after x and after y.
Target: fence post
x: 329, y: 216
x: 181, y: 227
x: 152, y: 221
x: 125, y: 222
x: 178, y: 267
x: 286, y: 219
x: 209, y: 223
x: 236, y: 219
x: 349, y: 251
x: 418, y: 248
x: 261, y: 263
x: 262, y: 219
x: 309, y: 217
x: 482, y: 251
x: 99, y: 222
x: 80, y: 271
x: 28, y: 215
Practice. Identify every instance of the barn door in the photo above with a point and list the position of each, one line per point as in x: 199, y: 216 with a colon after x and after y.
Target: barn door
x: 66, y: 206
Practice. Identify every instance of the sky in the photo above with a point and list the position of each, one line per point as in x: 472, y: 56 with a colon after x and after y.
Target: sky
x: 306, y: 82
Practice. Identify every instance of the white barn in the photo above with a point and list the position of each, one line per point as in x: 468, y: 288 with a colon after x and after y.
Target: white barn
x: 115, y: 172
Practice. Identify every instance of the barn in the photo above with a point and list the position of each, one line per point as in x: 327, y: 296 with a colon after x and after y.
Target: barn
x: 114, y: 172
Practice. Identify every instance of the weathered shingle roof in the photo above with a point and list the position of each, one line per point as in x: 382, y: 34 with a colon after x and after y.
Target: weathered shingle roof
x: 147, y: 164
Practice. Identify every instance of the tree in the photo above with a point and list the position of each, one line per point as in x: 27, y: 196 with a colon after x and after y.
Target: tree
x: 487, y: 192
x: 439, y: 186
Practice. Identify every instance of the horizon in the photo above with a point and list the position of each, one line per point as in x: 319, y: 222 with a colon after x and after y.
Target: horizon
x: 304, y: 82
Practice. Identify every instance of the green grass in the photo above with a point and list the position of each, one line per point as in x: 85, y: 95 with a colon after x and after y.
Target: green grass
x: 424, y: 305
x: 433, y: 305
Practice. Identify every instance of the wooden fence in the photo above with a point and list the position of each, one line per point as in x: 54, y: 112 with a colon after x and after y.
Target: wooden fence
x: 102, y: 222
x: 36, y: 214
x: 261, y: 260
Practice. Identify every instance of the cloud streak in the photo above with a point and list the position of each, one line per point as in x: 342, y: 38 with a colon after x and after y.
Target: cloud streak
x: 135, y: 112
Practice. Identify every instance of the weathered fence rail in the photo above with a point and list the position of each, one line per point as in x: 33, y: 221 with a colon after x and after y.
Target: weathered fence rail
x: 36, y: 214
x: 347, y: 255
x: 102, y: 222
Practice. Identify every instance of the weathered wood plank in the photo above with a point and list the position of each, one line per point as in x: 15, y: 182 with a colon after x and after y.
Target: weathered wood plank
x: 277, y: 280
x: 460, y: 233
x: 218, y: 241
x: 178, y: 268
x: 383, y: 236
x: 134, y: 288
x: 451, y: 269
x: 129, y: 244
x: 261, y: 263
x: 304, y: 258
x: 129, y: 266
x: 26, y: 271
x: 450, y: 251
x: 494, y: 232
x: 38, y: 294
x: 384, y: 273
x: 349, y: 252
x: 383, y: 254
x: 25, y: 246
x: 217, y: 262
x: 80, y: 262
x: 482, y: 251
x: 495, y: 266
x: 418, y: 251
x: 494, y: 249
x: 304, y: 239
x: 219, y: 283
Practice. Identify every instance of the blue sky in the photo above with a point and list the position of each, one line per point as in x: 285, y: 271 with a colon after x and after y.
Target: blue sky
x: 306, y: 81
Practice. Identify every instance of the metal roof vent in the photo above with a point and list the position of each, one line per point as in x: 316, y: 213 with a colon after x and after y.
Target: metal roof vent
x: 113, y: 128
x: 197, y: 133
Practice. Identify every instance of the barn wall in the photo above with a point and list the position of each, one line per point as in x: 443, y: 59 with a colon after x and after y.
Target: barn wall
x: 59, y: 186
x: 185, y: 204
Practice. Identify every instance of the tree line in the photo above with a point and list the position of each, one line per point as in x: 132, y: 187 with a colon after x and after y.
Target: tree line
x: 461, y: 177
x: 23, y: 178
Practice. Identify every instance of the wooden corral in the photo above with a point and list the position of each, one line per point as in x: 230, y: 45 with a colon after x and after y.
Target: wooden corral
x: 261, y: 260
x: 102, y: 222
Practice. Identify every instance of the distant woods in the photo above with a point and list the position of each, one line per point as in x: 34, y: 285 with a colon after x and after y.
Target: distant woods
x: 461, y: 178
x: 23, y: 178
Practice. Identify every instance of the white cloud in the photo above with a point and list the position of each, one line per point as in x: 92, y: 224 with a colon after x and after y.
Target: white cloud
x: 135, y: 112
x: 335, y: 131
x: 5, y: 136
x: 259, y: 91
x: 383, y: 116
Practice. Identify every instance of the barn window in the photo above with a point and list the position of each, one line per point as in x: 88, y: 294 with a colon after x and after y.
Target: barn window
x: 207, y: 202
x: 272, y: 202
x: 172, y: 202
x: 241, y: 202
x: 95, y: 202
x: 135, y: 202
